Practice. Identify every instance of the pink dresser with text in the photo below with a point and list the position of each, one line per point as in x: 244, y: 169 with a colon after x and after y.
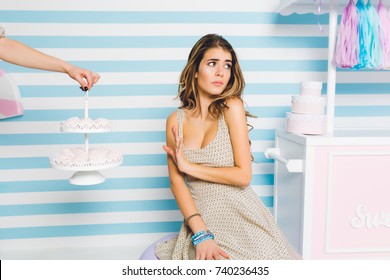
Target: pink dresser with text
x: 332, y: 193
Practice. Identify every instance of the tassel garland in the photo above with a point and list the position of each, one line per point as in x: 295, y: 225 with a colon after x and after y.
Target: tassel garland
x: 364, y: 37
x: 347, y: 54
x: 384, y: 34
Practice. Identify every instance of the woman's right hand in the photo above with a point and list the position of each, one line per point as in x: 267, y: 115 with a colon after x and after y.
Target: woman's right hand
x: 79, y: 74
x: 178, y: 154
x: 209, y: 250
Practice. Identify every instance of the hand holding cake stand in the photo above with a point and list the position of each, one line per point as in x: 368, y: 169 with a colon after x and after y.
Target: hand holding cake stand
x: 86, y: 161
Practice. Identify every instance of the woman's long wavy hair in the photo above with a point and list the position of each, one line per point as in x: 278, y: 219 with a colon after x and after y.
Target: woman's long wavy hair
x: 188, y: 89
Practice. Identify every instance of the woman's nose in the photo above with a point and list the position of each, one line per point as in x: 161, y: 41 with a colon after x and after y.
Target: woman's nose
x: 219, y: 71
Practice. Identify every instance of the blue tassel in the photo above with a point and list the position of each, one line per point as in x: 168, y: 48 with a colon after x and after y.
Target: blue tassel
x: 369, y: 43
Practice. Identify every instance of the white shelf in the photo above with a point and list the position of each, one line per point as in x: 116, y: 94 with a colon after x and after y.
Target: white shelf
x: 374, y: 137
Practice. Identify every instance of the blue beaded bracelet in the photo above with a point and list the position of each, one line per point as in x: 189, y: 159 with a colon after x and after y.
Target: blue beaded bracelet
x: 201, y: 236
x: 196, y: 235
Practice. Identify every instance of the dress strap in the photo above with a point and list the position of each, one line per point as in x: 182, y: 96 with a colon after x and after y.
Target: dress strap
x: 180, y: 120
x: 221, y: 122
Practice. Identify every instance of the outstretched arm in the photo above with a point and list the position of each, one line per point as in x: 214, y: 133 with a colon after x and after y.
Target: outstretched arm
x: 20, y: 54
x: 238, y: 175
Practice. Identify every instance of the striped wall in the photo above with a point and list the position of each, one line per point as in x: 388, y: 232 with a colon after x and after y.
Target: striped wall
x: 139, y: 48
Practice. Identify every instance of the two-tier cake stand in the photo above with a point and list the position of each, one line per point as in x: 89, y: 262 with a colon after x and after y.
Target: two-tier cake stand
x: 86, y: 161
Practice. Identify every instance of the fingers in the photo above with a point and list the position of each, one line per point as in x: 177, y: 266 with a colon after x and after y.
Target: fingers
x: 85, y: 88
x: 223, y: 254
x: 179, y: 145
x: 201, y: 255
x: 175, y: 134
x: 174, y: 131
x: 85, y: 78
x: 178, y: 139
x: 95, y: 77
x: 81, y: 81
x: 87, y: 75
x: 170, y: 152
x: 167, y: 149
x: 92, y: 78
x: 209, y: 256
x: 209, y: 250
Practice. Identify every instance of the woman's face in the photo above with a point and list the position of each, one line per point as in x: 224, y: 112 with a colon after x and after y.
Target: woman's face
x: 214, y: 71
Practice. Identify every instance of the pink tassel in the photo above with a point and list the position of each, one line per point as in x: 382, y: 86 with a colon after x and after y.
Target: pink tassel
x: 384, y: 34
x: 347, y: 48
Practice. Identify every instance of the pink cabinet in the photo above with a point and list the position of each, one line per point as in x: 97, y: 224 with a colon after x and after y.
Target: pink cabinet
x: 332, y: 193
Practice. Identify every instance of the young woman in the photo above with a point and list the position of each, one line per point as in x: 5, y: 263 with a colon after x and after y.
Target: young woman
x: 20, y: 54
x: 210, y: 166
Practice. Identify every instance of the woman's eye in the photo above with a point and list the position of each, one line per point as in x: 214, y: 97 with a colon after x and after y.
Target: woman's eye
x: 212, y: 63
x: 228, y: 66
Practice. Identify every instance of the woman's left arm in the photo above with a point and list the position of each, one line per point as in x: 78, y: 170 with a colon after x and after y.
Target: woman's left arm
x: 241, y: 173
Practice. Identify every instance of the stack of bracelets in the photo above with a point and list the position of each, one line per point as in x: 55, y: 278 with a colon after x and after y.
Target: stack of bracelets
x: 201, y: 236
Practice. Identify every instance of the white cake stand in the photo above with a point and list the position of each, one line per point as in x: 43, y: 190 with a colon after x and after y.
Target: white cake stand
x: 86, y: 161
x: 87, y: 171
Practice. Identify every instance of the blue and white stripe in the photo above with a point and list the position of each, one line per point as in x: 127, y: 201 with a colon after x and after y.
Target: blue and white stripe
x: 139, y: 48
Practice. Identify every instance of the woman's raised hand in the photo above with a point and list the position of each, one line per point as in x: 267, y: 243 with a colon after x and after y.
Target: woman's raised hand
x: 177, y: 154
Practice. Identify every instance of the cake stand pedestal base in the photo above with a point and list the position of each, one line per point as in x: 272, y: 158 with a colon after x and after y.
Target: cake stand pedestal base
x: 85, y: 178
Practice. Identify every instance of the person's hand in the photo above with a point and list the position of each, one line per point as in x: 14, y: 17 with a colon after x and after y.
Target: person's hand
x: 209, y: 250
x: 178, y: 154
x: 79, y: 74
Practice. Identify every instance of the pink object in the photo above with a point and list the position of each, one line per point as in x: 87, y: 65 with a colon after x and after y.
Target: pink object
x: 308, y: 105
x: 347, y: 48
x: 351, y: 211
x: 338, y: 207
x: 384, y: 34
x: 364, y: 218
x: 305, y: 124
x: 307, y: 116
x: 10, y: 108
x: 10, y: 100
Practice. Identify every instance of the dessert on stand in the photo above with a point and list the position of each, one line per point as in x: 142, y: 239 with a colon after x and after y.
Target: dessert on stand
x: 86, y: 161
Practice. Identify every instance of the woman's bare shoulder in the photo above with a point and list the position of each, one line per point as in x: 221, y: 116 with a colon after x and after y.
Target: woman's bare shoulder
x: 235, y: 101
x: 234, y: 106
x: 172, y: 119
